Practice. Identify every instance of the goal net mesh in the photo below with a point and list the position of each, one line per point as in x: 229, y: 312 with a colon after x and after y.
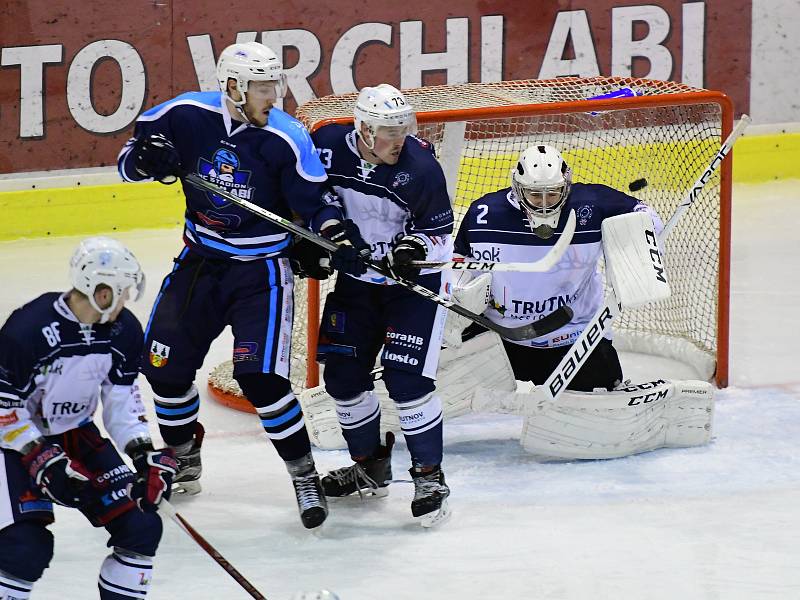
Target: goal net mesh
x: 663, y: 137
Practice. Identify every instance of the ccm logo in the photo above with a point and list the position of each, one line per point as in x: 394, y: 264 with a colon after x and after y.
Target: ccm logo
x: 655, y: 255
x: 647, y: 398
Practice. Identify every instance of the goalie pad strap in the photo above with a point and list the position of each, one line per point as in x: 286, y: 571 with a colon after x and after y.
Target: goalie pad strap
x: 633, y: 260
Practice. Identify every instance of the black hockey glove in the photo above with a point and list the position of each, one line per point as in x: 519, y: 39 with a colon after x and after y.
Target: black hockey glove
x: 154, y: 472
x: 61, y: 479
x: 398, y: 260
x: 353, y: 250
x: 310, y: 260
x: 156, y: 157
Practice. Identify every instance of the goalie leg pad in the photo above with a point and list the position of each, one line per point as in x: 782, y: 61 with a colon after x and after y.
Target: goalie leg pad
x: 597, y: 425
x: 477, y: 376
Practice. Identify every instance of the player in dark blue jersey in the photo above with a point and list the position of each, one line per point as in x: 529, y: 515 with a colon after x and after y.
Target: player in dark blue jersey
x: 521, y: 223
x: 60, y: 356
x: 235, y: 269
x: 393, y: 188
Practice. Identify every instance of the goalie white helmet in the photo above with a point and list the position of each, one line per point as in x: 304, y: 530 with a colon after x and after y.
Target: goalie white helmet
x: 105, y: 261
x: 385, y: 112
x: 248, y: 62
x: 541, y: 181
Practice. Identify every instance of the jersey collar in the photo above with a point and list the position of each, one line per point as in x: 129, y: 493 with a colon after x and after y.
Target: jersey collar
x: 60, y: 306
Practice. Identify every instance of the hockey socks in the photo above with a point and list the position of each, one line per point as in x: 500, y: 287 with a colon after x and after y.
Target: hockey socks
x: 176, y: 415
x: 13, y: 587
x: 125, y: 575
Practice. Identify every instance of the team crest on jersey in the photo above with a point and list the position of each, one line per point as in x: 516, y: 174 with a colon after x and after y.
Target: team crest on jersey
x: 223, y: 170
x: 584, y: 213
x: 402, y: 178
x: 159, y: 354
x: 336, y: 322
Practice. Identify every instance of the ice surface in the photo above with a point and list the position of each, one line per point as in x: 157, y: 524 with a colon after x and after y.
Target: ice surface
x: 718, y: 522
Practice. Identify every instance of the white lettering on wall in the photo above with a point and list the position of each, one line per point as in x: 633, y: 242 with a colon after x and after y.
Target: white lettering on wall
x: 574, y: 25
x: 346, y: 49
x: 309, y: 50
x: 693, y: 43
x: 31, y: 61
x: 492, y: 48
x: 454, y: 60
x: 205, y: 65
x: 79, y: 86
x: 624, y: 48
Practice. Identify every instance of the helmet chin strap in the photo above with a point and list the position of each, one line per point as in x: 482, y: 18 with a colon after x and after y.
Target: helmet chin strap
x: 238, y: 105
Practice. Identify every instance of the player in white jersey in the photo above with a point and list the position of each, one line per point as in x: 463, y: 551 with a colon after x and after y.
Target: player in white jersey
x: 60, y: 356
x: 393, y: 188
x: 521, y: 223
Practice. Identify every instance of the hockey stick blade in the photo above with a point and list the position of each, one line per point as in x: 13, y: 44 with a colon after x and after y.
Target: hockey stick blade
x: 543, y: 264
x: 525, y: 332
x: 165, y: 508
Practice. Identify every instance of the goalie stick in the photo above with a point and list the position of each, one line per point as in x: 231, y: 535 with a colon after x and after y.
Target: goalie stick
x: 569, y: 366
x: 166, y: 508
x: 556, y: 319
x: 543, y: 264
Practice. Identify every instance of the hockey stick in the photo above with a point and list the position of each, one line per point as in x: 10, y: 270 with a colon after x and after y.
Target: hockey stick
x: 543, y: 264
x: 556, y: 319
x: 167, y: 508
x: 601, y: 321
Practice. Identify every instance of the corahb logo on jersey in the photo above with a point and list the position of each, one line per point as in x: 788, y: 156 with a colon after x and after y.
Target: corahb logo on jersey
x: 584, y: 213
x: 407, y: 340
x: 159, y: 353
x: 402, y: 178
x: 223, y: 170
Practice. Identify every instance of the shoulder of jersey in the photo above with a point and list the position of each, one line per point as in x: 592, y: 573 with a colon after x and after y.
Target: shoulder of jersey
x: 496, y: 201
x: 418, y: 155
x: 128, y: 323
x: 31, y: 316
x: 211, y: 101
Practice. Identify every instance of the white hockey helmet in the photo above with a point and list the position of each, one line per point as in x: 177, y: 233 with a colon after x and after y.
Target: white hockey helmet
x: 248, y: 62
x: 103, y: 260
x: 385, y: 111
x: 541, y: 181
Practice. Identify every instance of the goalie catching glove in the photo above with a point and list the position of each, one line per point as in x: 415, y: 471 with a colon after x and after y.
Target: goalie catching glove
x: 155, y: 156
x: 353, y: 250
x: 400, y: 258
x: 154, y: 472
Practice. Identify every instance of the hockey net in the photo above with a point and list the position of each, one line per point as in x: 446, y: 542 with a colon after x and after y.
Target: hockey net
x: 660, y: 134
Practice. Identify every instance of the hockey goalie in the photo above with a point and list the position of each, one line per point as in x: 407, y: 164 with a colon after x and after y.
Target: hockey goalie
x: 589, y: 411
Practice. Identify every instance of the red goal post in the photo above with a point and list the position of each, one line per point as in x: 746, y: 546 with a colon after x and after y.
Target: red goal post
x: 663, y: 132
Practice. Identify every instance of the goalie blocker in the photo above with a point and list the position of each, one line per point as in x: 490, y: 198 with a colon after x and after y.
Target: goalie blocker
x: 477, y: 377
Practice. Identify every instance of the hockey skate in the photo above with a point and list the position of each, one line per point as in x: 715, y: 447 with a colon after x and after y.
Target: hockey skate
x: 311, y: 502
x: 430, y: 496
x: 369, y: 476
x: 187, y: 479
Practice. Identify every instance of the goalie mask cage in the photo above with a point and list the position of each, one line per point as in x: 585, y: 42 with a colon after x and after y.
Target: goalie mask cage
x: 664, y: 133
